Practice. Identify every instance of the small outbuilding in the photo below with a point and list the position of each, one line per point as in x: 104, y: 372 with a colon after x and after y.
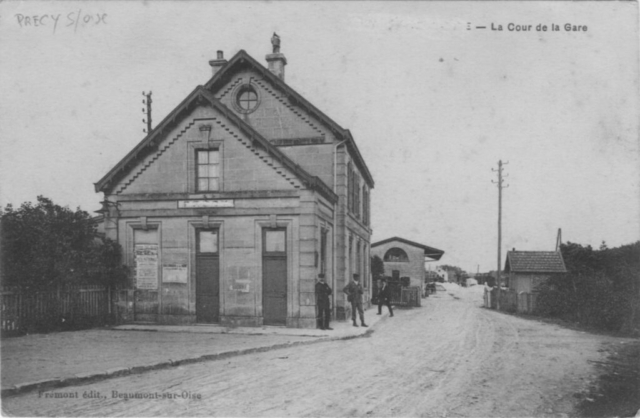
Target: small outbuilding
x: 526, y: 270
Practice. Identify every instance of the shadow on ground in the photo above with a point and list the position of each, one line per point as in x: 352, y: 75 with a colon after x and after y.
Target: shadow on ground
x: 616, y: 393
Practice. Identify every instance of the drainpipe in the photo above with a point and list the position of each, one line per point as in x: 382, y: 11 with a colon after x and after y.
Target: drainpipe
x: 335, y: 225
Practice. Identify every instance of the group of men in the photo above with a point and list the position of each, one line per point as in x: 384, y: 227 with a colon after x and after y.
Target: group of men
x: 354, y: 292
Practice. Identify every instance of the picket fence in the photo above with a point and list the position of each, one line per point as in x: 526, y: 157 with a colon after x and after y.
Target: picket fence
x: 510, y: 300
x: 401, y: 296
x: 70, y: 307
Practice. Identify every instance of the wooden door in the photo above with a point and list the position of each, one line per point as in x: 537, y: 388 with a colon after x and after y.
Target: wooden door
x: 274, y: 276
x: 207, y: 276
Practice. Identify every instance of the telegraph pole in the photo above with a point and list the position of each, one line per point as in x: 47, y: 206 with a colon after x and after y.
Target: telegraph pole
x: 500, y: 187
x: 147, y: 101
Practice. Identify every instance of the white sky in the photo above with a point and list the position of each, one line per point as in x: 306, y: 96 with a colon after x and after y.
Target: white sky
x: 432, y: 106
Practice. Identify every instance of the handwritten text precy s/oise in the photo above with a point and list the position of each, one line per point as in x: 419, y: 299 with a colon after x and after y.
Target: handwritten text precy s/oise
x: 73, y: 20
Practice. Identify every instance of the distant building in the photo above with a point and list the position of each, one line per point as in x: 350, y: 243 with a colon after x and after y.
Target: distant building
x: 528, y: 269
x: 443, y: 274
x: 232, y: 205
x: 404, y: 258
x: 431, y: 276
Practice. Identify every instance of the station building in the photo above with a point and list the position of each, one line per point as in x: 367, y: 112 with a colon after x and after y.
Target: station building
x: 229, y: 208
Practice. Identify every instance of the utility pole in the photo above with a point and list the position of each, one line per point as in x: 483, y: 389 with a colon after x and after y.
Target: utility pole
x: 147, y: 111
x: 500, y: 187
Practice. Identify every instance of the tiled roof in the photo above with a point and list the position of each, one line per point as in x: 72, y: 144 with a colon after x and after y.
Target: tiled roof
x: 535, y: 262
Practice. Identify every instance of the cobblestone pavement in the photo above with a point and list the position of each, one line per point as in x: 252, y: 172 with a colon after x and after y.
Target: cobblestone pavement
x: 65, y: 355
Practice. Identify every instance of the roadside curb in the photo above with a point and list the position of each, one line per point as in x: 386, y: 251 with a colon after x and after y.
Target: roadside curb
x: 84, y: 378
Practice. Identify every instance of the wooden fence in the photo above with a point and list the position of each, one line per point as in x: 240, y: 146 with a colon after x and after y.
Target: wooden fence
x: 510, y: 300
x: 69, y: 307
x: 400, y: 295
x: 405, y: 296
x: 411, y: 296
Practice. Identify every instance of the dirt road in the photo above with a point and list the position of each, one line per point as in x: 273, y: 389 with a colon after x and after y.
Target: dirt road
x: 449, y: 358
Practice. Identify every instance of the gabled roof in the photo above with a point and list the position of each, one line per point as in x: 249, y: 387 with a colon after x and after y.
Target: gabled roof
x: 430, y: 252
x: 222, y: 76
x: 535, y: 262
x: 202, y: 96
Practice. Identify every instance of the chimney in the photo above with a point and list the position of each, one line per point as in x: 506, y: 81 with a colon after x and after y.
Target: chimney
x: 217, y: 63
x: 276, y: 60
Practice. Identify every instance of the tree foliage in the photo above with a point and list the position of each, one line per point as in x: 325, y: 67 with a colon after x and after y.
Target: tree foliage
x: 447, y: 267
x: 377, y: 267
x: 600, y: 289
x: 486, y: 278
x: 47, y: 245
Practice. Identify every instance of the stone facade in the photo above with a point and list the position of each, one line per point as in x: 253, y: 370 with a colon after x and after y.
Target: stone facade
x: 278, y: 213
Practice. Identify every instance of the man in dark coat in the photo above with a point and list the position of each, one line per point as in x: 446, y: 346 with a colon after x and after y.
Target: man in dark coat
x: 323, y: 302
x: 354, y: 293
x: 384, y: 296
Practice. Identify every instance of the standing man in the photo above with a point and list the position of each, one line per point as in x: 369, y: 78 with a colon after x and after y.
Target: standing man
x: 323, y: 293
x: 384, y: 296
x: 354, y: 293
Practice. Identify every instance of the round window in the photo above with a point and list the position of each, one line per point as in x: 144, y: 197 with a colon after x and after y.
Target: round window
x: 247, y: 99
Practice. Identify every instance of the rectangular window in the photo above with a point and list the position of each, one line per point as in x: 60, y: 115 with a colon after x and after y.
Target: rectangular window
x: 207, y: 241
x: 356, y: 190
x: 150, y: 236
x: 323, y: 251
x: 350, y: 259
x: 359, y: 262
x: 365, y: 205
x: 275, y: 241
x: 208, y: 170
x: 353, y: 194
x: 349, y: 187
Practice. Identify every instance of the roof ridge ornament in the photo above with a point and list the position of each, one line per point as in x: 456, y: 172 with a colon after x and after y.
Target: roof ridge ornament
x: 276, y: 60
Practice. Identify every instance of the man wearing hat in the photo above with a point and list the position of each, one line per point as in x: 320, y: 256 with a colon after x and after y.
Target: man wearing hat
x: 323, y: 293
x: 354, y: 293
x: 384, y: 296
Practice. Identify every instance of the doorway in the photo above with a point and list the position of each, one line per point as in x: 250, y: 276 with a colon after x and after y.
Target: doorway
x: 207, y: 276
x: 274, y: 276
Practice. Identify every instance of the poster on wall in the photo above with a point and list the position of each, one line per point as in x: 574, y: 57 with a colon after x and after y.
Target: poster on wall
x: 174, y: 273
x: 146, y: 258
